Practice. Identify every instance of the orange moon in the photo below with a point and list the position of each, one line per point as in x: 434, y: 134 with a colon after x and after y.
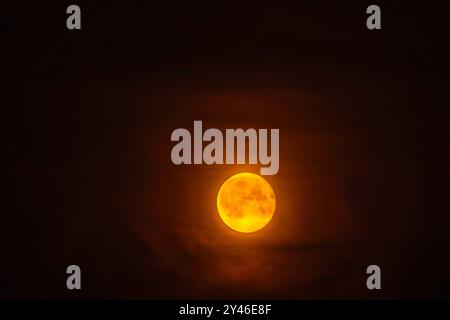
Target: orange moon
x: 246, y: 202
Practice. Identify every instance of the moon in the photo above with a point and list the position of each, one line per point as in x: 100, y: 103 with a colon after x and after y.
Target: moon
x: 246, y: 202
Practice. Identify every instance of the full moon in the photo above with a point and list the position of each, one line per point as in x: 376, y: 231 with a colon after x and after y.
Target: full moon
x: 246, y: 202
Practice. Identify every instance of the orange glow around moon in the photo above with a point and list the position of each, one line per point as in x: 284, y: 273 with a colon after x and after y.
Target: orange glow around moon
x: 246, y: 202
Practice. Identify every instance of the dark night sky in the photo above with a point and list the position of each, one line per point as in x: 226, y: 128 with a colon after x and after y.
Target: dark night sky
x: 363, y: 156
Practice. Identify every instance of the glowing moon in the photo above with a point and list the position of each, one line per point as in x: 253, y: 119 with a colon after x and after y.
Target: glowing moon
x: 246, y: 202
